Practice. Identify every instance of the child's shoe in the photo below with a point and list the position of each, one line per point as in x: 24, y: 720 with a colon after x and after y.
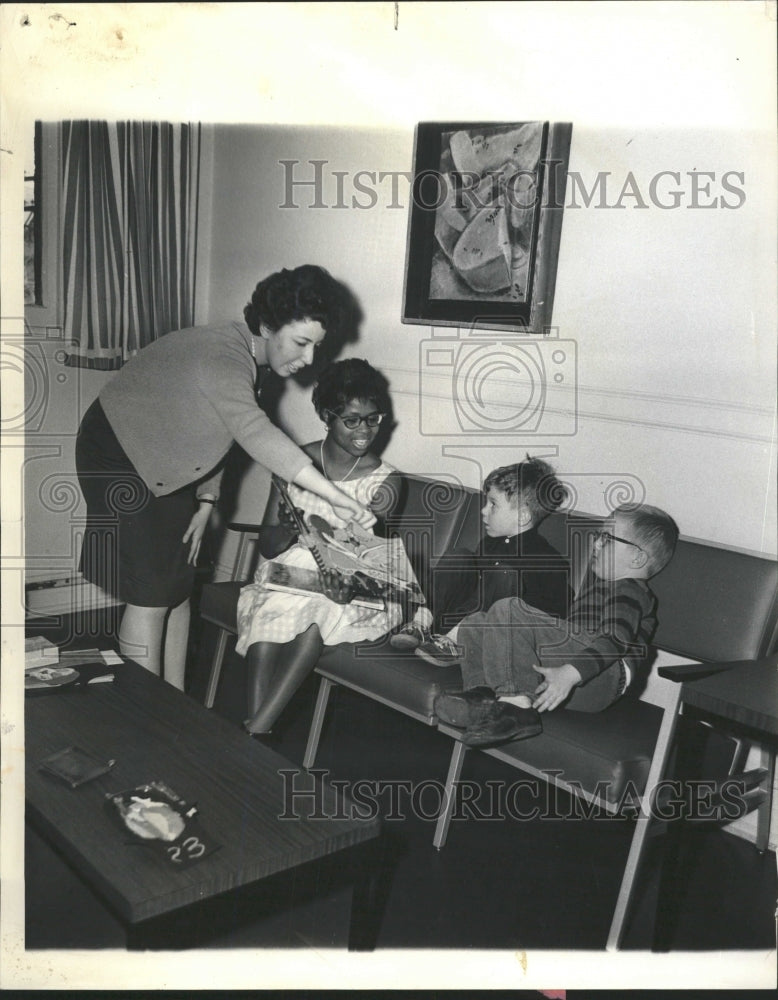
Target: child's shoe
x: 439, y: 650
x: 463, y: 709
x: 409, y: 637
x: 505, y: 724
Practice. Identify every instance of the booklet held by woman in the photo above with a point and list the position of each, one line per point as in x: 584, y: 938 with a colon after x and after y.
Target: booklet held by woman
x: 375, y: 569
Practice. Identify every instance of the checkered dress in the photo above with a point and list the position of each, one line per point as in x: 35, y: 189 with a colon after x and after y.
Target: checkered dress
x: 271, y: 616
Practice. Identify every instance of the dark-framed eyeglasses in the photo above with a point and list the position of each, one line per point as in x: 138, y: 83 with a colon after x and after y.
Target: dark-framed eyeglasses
x: 606, y: 537
x: 353, y: 420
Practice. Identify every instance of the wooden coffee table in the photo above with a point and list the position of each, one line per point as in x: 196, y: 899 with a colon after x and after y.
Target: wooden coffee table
x: 242, y: 790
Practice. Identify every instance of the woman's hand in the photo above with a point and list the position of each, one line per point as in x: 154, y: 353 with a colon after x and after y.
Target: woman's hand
x: 354, y: 512
x: 347, y: 509
x: 555, y: 687
x: 196, y: 530
x: 287, y: 519
x: 306, y: 538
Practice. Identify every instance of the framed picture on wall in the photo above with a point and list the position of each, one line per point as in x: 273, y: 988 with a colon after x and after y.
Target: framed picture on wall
x: 485, y: 223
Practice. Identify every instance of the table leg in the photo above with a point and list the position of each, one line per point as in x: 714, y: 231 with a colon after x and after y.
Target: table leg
x: 764, y: 815
x: 140, y: 937
x: 676, y: 859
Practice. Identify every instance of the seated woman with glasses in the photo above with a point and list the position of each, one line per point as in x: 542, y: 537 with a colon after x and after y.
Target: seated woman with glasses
x: 282, y: 633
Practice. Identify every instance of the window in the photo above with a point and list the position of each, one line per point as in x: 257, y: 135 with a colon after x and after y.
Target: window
x: 42, y: 256
x: 32, y: 236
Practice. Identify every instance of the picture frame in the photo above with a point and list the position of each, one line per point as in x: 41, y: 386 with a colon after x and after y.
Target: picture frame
x: 485, y: 223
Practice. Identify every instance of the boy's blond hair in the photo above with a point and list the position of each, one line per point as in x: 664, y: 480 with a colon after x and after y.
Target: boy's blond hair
x: 655, y: 530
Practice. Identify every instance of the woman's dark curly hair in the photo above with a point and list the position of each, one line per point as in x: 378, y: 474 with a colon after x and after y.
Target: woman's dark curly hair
x: 343, y: 381
x: 307, y: 292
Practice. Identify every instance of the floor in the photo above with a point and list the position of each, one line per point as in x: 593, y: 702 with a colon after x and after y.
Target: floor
x: 505, y: 883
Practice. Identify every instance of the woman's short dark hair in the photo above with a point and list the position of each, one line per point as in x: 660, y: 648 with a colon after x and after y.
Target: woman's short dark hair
x: 306, y: 292
x: 353, y: 378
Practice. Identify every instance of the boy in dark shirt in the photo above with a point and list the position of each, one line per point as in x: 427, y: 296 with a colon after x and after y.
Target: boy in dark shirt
x: 507, y: 650
x: 514, y: 561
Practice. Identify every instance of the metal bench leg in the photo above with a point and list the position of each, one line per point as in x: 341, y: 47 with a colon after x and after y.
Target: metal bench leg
x: 454, y: 771
x: 739, y: 755
x: 216, y: 667
x: 221, y: 645
x: 317, y: 722
x: 655, y: 773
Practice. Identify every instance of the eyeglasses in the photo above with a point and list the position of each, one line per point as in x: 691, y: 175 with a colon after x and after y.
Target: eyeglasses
x: 606, y: 537
x: 353, y: 421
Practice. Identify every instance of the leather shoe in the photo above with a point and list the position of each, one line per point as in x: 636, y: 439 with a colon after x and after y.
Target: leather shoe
x: 507, y: 723
x: 463, y: 709
x: 409, y: 637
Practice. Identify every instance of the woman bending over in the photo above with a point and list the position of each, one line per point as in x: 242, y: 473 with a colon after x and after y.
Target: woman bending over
x: 150, y: 451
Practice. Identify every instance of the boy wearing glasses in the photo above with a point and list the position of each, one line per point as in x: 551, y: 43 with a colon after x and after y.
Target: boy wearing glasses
x: 508, y: 649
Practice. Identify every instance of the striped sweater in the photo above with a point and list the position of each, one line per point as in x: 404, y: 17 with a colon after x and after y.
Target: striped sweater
x: 615, y: 618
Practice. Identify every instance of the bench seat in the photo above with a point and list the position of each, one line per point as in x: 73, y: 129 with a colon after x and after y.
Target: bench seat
x: 607, y: 759
x: 401, y: 680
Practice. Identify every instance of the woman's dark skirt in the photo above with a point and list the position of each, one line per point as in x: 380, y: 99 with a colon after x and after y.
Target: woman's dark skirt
x: 132, y: 545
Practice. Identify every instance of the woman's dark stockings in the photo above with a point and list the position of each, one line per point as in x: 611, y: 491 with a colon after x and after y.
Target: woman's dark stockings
x: 275, y: 672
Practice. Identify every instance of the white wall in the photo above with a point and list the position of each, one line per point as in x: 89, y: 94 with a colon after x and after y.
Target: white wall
x: 672, y: 311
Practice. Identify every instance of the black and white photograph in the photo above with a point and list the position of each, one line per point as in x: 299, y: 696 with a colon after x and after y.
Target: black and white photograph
x: 389, y: 535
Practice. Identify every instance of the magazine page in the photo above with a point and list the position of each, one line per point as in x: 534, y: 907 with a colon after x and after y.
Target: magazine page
x: 377, y: 568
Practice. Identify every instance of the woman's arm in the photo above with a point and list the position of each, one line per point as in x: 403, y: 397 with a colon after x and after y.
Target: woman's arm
x: 311, y: 479
x: 198, y: 524
x: 228, y: 384
x: 274, y: 537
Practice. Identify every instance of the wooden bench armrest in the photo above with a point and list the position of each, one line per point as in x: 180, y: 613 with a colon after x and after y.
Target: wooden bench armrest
x: 681, y: 672
x: 243, y: 526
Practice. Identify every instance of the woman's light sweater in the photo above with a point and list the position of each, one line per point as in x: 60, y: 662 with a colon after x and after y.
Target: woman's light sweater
x: 179, y: 404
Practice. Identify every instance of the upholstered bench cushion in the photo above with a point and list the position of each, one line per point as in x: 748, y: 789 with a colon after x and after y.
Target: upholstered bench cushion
x: 219, y: 604
x: 611, y: 749
x: 401, y: 680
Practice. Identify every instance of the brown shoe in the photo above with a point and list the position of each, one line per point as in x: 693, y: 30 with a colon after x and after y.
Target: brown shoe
x: 466, y: 708
x: 507, y: 723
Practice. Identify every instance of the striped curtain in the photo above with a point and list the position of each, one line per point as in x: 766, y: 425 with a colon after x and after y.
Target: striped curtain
x: 130, y: 193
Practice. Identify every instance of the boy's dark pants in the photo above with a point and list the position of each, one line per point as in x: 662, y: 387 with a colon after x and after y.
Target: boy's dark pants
x: 501, y: 645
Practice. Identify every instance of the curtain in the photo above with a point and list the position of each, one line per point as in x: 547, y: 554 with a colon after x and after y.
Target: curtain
x: 130, y: 192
